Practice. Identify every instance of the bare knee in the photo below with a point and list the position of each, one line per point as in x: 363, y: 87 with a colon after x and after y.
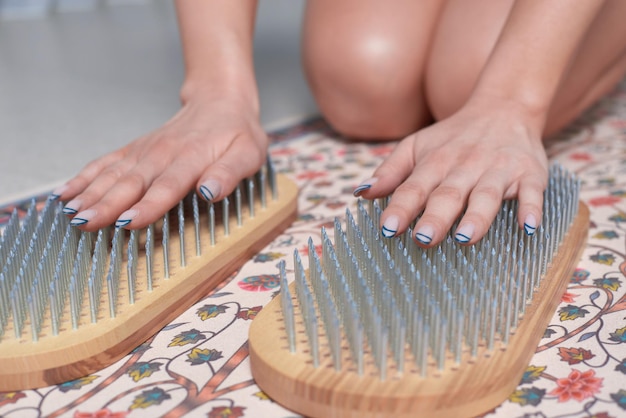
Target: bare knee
x: 362, y: 92
x: 366, y: 78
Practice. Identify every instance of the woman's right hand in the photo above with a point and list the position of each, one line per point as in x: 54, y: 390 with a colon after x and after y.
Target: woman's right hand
x: 211, y: 143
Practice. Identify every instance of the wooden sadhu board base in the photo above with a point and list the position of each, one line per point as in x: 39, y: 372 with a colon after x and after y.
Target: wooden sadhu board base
x: 473, y: 387
x: 25, y: 364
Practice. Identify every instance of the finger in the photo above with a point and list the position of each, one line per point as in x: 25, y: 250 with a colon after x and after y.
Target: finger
x: 171, y: 184
x: 86, y: 176
x: 238, y: 161
x: 530, y: 198
x: 392, y: 171
x: 97, y: 190
x: 408, y: 200
x: 484, y: 202
x: 242, y: 159
x: 445, y: 204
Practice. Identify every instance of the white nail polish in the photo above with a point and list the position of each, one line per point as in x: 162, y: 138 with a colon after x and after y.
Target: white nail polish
x: 390, y: 227
x: 56, y: 193
x: 464, y: 233
x: 530, y: 224
x: 72, y: 207
x: 367, y: 184
x: 83, y: 217
x: 425, y: 234
x: 126, y: 218
x: 210, y: 189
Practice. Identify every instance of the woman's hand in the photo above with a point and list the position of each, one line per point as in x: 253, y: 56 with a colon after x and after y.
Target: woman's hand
x: 211, y: 144
x: 467, y: 164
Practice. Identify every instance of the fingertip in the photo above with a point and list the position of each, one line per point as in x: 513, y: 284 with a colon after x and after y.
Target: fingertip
x: 529, y: 223
x: 424, y: 235
x: 364, y: 186
x: 465, y: 233
x: 85, y: 220
x: 57, y: 193
x: 126, y: 218
x: 210, y: 190
x: 72, y: 207
x: 389, y: 228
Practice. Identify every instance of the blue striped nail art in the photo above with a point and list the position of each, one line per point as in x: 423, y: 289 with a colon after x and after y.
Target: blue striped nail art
x: 69, y: 211
x: 122, y: 222
x: 78, y: 221
x: 461, y: 238
x: 530, y: 230
x: 206, y: 193
x: 423, y: 238
x: 54, y: 196
x: 387, y: 232
x: 360, y: 189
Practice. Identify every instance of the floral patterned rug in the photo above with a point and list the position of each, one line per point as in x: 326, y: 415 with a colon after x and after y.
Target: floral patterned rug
x: 198, y: 365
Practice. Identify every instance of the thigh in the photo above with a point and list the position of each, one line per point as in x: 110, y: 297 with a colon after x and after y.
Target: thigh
x: 465, y: 36
x: 598, y: 66
x: 364, y: 60
x: 467, y: 33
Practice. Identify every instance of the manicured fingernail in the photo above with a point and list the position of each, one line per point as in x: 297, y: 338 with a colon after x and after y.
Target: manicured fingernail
x: 210, y: 189
x: 530, y: 225
x: 83, y: 217
x: 56, y: 193
x: 367, y: 184
x: 425, y: 234
x: 390, y: 227
x: 72, y: 207
x: 126, y: 218
x: 464, y: 233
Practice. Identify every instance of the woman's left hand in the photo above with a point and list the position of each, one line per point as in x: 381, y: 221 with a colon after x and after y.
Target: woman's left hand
x: 467, y: 164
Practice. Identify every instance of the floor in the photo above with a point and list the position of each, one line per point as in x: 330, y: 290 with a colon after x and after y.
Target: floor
x: 77, y: 84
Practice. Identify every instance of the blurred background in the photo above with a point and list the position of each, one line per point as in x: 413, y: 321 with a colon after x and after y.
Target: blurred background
x: 79, y: 78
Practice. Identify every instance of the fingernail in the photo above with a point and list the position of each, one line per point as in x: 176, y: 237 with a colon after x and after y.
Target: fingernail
x: 390, y: 227
x: 209, y: 189
x: 464, y: 233
x: 72, y: 207
x: 83, y: 217
x: 56, y: 193
x: 364, y: 186
x: 530, y: 225
x: 425, y: 234
x: 126, y: 218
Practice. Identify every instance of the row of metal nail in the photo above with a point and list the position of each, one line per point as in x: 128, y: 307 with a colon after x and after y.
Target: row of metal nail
x: 47, y: 264
x: 386, y: 295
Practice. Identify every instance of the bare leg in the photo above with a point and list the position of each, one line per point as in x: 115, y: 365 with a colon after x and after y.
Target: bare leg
x: 489, y: 148
x: 365, y: 61
x: 467, y: 32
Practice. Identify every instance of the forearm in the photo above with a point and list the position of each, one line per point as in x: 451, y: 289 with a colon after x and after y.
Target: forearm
x: 533, y: 52
x: 217, y: 39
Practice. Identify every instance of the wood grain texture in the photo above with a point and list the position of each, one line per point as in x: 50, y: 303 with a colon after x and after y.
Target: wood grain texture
x: 473, y: 387
x: 25, y: 364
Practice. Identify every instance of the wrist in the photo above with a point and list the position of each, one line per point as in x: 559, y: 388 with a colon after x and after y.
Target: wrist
x: 235, y: 90
x: 532, y: 115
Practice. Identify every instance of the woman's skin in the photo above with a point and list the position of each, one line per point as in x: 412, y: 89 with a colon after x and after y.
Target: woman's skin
x: 496, y: 76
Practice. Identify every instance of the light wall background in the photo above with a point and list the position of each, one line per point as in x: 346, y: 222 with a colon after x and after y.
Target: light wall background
x: 79, y: 78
